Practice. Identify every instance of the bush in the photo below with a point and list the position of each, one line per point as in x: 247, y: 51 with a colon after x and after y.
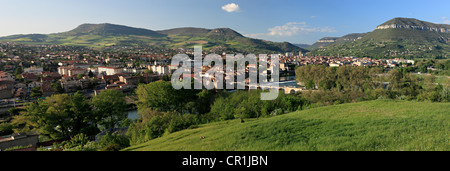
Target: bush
x: 111, y: 147
x: 145, y: 130
x: 114, y: 140
x: 6, y: 129
x: 244, y: 104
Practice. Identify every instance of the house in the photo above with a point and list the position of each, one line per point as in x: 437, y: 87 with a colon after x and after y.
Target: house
x: 34, y: 70
x: 111, y: 60
x: 29, y: 76
x: 34, y: 84
x: 21, y: 93
x: 5, y: 92
x: 109, y: 70
x: 71, y: 85
x: 130, y: 80
x: 64, y: 70
x: 20, y: 85
x: 9, y: 67
x: 76, y: 71
x: 48, y: 79
x: 113, y: 87
x: 160, y: 70
x: 283, y: 66
x: 47, y: 89
x: 334, y: 65
x: 85, y: 83
x: 4, y: 76
x: 110, y: 79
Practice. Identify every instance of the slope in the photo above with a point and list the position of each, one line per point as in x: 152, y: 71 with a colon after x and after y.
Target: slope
x: 106, y: 35
x: 399, y: 37
x: 373, y: 126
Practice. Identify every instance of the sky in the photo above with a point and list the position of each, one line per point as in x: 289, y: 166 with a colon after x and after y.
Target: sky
x: 295, y: 21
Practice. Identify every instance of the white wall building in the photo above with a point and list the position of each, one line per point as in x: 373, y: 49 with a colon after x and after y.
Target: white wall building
x: 110, y: 70
x: 160, y: 70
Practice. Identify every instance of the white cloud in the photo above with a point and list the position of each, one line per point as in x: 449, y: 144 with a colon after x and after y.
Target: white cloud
x: 446, y: 20
x: 232, y: 7
x: 291, y: 29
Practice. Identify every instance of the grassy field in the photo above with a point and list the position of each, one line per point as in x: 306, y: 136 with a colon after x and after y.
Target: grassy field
x: 380, y: 125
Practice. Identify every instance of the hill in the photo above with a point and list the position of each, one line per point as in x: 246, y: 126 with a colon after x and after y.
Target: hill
x: 106, y: 35
x: 381, y: 125
x: 303, y: 45
x: 326, y: 41
x: 399, y: 37
x: 107, y: 29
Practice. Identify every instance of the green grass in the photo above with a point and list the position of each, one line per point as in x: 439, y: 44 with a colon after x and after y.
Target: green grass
x: 380, y: 125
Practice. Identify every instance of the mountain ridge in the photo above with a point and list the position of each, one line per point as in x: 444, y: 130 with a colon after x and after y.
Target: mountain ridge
x: 107, y: 35
x: 110, y: 29
x: 398, y: 37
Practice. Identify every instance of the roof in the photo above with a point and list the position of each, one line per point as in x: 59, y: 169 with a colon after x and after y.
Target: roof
x: 4, y: 73
x: 29, y: 76
x: 109, y: 67
x: 47, y: 87
x: 78, y: 69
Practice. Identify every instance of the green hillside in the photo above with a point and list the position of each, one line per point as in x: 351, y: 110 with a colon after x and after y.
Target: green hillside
x: 381, y: 125
x: 400, y: 37
x: 105, y: 35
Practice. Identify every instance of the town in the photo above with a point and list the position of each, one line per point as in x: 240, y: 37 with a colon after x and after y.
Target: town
x: 30, y: 72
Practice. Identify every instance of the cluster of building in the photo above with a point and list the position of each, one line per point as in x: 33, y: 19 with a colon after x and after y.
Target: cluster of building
x: 342, y: 61
x: 75, y: 77
x: 83, y: 69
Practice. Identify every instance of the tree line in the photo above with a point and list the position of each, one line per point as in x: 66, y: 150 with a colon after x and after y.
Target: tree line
x: 63, y: 116
x: 352, y: 83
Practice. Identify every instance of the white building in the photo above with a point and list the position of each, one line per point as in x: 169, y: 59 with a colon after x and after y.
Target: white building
x: 76, y: 71
x: 109, y: 70
x: 34, y: 70
x: 334, y: 65
x: 64, y: 70
x: 160, y: 70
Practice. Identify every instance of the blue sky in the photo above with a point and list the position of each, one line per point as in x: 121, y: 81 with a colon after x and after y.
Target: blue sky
x: 295, y: 21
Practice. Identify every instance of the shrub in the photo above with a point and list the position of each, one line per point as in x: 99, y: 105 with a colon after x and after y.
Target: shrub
x: 111, y: 147
x: 121, y: 140
x: 6, y: 129
x: 144, y: 130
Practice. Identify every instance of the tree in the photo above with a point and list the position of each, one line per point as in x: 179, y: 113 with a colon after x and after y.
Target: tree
x: 80, y: 76
x: 52, y: 116
x: 110, y: 108
x: 394, y: 78
x: 90, y: 74
x: 36, y: 92
x: 161, y: 96
x: 57, y: 88
x: 204, y: 101
x: 60, y: 116
x: 81, y: 117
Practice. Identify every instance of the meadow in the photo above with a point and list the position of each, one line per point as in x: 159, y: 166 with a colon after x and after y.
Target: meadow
x: 379, y: 125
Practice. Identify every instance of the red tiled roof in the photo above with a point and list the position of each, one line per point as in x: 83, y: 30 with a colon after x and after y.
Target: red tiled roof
x: 108, y: 67
x: 29, y: 76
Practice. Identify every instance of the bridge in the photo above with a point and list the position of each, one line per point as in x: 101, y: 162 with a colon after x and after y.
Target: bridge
x: 285, y: 89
